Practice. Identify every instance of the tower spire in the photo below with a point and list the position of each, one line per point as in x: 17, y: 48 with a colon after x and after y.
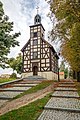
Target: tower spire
x: 37, y: 19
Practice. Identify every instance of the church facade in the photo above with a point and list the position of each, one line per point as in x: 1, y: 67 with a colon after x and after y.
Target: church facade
x: 39, y: 57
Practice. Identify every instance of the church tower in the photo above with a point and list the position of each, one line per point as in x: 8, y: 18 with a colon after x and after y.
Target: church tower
x: 39, y: 57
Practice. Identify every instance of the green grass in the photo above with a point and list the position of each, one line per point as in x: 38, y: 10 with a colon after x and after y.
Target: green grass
x: 40, y: 86
x: 78, y: 87
x: 28, y: 112
x: 2, y: 80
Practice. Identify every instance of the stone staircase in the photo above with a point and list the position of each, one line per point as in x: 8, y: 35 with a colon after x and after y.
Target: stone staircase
x: 64, y: 103
x: 9, y: 90
x: 34, y: 78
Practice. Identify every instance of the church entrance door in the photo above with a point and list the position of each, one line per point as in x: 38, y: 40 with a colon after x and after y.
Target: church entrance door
x: 35, y: 70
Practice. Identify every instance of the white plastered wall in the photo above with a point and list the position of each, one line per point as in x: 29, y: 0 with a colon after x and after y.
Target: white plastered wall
x: 49, y: 75
x: 27, y: 74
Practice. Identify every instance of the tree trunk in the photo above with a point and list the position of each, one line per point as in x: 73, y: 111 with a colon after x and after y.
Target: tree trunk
x: 74, y: 74
x: 78, y: 76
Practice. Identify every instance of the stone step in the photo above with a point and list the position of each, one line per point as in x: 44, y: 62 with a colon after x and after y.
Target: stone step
x: 16, y: 88
x: 32, y: 82
x: 5, y: 98
x: 65, y: 103
x: 59, y: 115
x: 10, y: 82
x: 27, y: 83
x: 66, y: 82
x: 23, y: 85
x: 6, y: 90
x: 9, y: 94
x: 66, y: 86
x: 65, y: 90
x: 34, y: 78
x: 65, y: 96
x: 63, y: 109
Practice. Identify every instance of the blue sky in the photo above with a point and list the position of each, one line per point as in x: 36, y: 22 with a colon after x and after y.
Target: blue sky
x: 22, y: 13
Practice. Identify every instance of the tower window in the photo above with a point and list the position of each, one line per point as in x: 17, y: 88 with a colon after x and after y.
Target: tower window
x: 38, y: 20
x: 35, y: 34
x: 35, y: 55
x: 35, y: 42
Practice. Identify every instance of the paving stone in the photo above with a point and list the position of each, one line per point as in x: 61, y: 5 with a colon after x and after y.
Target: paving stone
x: 65, y: 93
x: 63, y: 103
x: 58, y: 115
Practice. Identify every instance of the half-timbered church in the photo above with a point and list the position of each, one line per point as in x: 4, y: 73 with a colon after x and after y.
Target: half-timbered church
x: 39, y: 57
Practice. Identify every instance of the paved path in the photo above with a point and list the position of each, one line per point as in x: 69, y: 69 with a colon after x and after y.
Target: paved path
x: 64, y: 104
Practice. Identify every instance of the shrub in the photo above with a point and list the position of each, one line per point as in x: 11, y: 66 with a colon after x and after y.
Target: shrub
x: 13, y: 75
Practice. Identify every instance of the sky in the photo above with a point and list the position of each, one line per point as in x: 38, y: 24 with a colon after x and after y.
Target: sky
x: 22, y: 13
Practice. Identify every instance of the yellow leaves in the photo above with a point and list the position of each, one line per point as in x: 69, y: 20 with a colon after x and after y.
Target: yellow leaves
x: 67, y: 13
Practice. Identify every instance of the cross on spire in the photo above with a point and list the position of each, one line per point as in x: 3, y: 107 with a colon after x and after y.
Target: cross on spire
x: 37, y: 9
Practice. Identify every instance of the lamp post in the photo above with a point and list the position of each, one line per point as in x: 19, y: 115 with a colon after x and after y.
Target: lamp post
x: 58, y: 69
x: 58, y: 75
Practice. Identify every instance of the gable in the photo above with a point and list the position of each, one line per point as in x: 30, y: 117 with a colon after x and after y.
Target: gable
x: 26, y: 45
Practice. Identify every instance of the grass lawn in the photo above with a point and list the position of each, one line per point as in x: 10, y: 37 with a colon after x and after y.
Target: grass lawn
x: 28, y: 112
x: 2, y: 80
x: 40, y: 86
x: 78, y: 87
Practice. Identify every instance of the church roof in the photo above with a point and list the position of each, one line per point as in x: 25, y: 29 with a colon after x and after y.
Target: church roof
x: 25, y: 45
x: 37, y: 25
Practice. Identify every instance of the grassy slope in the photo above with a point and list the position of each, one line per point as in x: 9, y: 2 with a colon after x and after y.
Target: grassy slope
x: 40, y: 86
x: 29, y: 112
x: 2, y: 80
